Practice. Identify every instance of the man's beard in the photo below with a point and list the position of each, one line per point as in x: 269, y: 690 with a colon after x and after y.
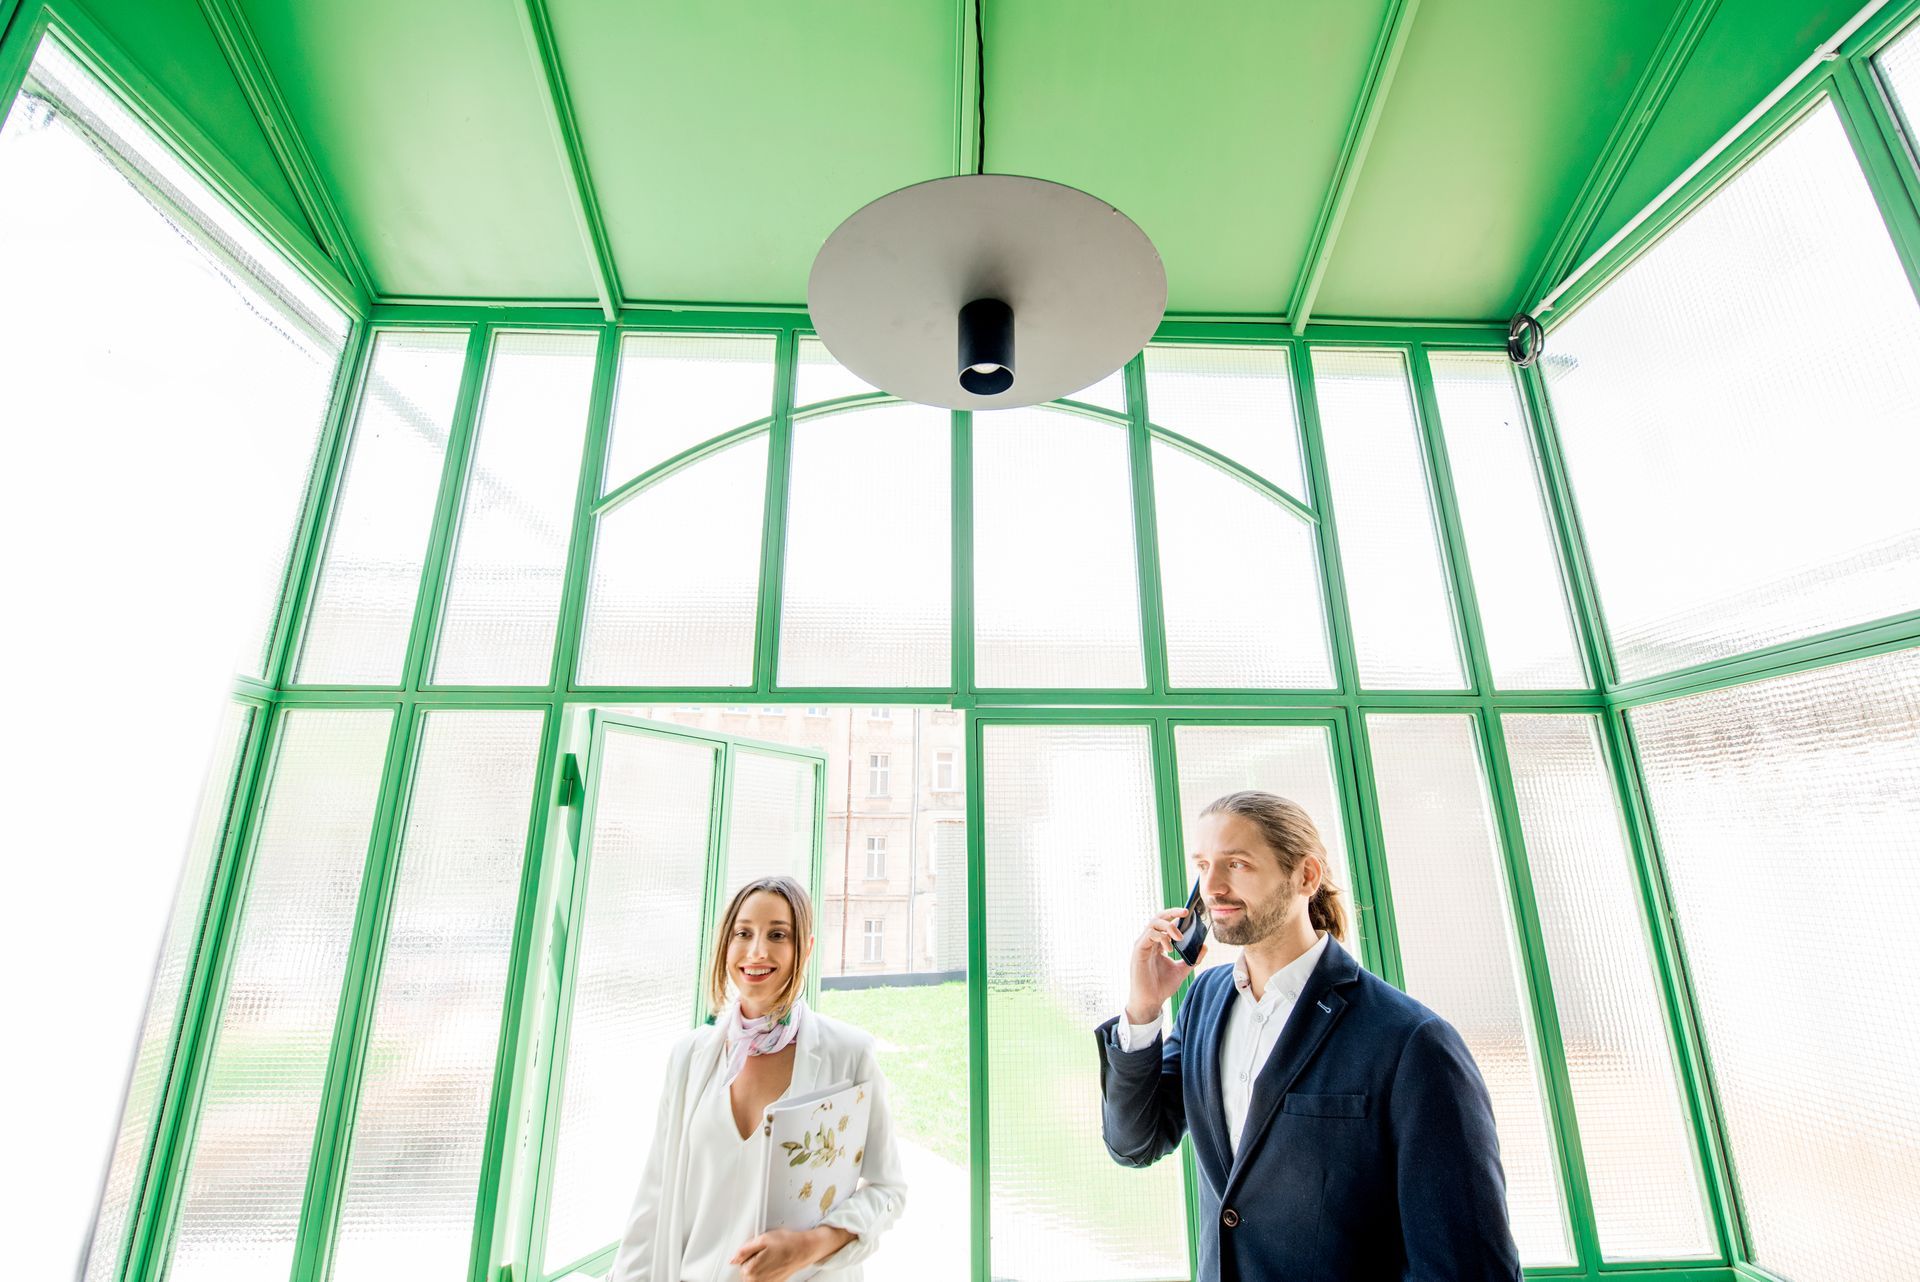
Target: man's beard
x: 1254, y: 922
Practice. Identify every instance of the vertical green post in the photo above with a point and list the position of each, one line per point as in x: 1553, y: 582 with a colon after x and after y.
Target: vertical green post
x: 1146, y: 528
x: 573, y: 597
x: 962, y: 558
x: 981, y: 1183
x: 773, y: 537
x: 446, y: 518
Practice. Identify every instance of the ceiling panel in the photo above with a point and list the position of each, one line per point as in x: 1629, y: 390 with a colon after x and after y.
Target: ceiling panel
x: 1214, y: 125
x: 1497, y: 115
x: 425, y: 118
x: 724, y: 150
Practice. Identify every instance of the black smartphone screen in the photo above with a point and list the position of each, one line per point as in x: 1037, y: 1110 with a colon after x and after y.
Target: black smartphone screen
x: 1193, y: 927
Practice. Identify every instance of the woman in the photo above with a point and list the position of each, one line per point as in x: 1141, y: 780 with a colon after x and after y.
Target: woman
x: 693, y: 1220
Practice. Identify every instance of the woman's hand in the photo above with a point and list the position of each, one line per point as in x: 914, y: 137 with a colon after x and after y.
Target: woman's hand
x: 778, y: 1255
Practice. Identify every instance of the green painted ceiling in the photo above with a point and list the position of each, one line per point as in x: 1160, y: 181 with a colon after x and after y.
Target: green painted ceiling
x: 724, y: 139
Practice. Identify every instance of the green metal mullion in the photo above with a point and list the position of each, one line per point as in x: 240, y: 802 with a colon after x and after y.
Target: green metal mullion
x: 593, y: 462
x: 243, y: 55
x: 316, y: 517
x: 1663, y: 72
x: 1388, y: 45
x: 205, y: 997
x: 1901, y: 632
x: 1882, y: 150
x: 961, y: 500
x: 1146, y: 528
x: 333, y: 1130
x: 1370, y: 848
x: 817, y: 870
x: 978, y: 1098
x: 1685, y: 1026
x: 1568, y: 530
x: 21, y: 27
x: 1366, y: 943
x: 329, y: 459
x: 719, y: 853
x: 1346, y: 664
x: 1562, y: 1115
x: 773, y: 531
x: 1170, y: 818
x: 454, y: 477
x: 200, y: 964
x: 1221, y: 463
x: 1470, y: 631
x: 516, y: 1066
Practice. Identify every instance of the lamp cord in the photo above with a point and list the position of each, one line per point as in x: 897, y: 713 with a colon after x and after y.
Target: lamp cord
x: 979, y: 90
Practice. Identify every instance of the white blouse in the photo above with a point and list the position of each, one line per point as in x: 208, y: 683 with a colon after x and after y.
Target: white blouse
x: 723, y: 1185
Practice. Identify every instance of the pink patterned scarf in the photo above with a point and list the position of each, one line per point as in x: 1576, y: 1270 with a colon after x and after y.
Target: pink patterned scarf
x: 760, y: 1036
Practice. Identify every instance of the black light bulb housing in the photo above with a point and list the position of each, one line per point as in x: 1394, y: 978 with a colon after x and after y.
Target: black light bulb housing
x: 986, y: 347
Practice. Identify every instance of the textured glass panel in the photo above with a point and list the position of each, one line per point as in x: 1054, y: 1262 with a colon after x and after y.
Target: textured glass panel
x: 1524, y: 611
x: 213, y: 819
x: 634, y: 976
x: 1642, y: 1167
x: 818, y: 377
x: 241, y: 1203
x: 216, y: 377
x: 362, y: 610
x: 1787, y: 813
x: 676, y: 577
x: 868, y: 582
x: 676, y: 391
x: 1237, y: 401
x: 1899, y: 67
x: 1240, y: 578
x: 1397, y: 589
x: 1459, y: 949
x: 1056, y: 598
x: 1294, y: 761
x: 1109, y: 393
x: 414, y: 1169
x: 1073, y: 871
x: 771, y: 833
x: 1743, y: 482
x: 510, y: 556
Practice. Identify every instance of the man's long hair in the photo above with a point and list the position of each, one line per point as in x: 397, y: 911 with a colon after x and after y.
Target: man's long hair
x: 1287, y: 828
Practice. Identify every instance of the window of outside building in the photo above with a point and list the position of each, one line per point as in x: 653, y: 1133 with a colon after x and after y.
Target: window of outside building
x: 880, y: 714
x: 943, y: 772
x: 876, y: 857
x: 870, y: 935
x: 879, y: 774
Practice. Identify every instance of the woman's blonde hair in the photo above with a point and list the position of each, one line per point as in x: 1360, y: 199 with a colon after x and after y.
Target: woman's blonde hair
x: 802, y: 908
x: 1290, y: 831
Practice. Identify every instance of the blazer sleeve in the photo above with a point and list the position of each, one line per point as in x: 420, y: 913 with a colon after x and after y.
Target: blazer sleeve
x: 1143, y: 1110
x: 633, y: 1260
x: 1452, y: 1190
x: 873, y: 1207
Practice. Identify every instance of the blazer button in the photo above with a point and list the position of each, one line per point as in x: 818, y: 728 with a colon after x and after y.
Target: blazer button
x: 1230, y: 1217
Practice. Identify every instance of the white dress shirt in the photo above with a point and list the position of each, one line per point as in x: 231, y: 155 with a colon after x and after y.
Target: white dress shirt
x: 1252, y: 1029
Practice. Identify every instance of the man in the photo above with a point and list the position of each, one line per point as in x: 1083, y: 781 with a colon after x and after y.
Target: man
x: 1341, y: 1128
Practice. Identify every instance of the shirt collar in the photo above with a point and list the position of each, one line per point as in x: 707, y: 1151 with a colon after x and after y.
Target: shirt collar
x: 1289, y: 980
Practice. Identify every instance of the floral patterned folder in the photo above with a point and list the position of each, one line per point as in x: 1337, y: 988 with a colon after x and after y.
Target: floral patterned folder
x: 815, y: 1145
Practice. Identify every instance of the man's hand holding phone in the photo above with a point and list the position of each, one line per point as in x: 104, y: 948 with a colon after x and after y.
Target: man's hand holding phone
x: 1154, y: 976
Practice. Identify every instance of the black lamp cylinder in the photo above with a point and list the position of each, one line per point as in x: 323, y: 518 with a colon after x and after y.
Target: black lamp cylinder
x: 986, y: 347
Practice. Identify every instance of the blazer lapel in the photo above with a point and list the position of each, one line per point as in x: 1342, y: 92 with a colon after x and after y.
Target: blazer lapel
x: 1313, y: 1017
x: 807, y: 1057
x: 1209, y: 1130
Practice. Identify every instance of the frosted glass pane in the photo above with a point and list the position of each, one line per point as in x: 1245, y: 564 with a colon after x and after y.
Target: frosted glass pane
x: 414, y: 1170
x: 1459, y: 950
x: 152, y: 1069
x: 1517, y: 579
x: 634, y: 977
x: 1109, y: 393
x: 1899, y: 67
x: 1240, y: 580
x: 675, y: 391
x: 1073, y: 870
x: 248, y: 1175
x: 510, y: 557
x: 1398, y: 593
x: 676, y: 578
x: 771, y: 833
x: 1642, y: 1166
x: 1056, y: 596
x: 1294, y: 761
x: 868, y: 597
x: 818, y: 377
x: 362, y: 611
x: 1743, y: 482
x: 1788, y: 814
x: 1237, y: 401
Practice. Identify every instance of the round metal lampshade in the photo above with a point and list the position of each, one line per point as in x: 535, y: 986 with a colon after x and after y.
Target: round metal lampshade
x: 1084, y: 284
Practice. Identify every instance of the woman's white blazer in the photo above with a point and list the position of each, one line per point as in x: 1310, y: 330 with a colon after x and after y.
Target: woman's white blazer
x: 826, y: 1053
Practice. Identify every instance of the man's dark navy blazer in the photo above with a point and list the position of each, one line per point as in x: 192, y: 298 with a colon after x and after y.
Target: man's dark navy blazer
x: 1369, y: 1149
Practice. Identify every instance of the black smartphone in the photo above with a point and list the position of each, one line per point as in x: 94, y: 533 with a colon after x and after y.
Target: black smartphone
x: 1193, y: 927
